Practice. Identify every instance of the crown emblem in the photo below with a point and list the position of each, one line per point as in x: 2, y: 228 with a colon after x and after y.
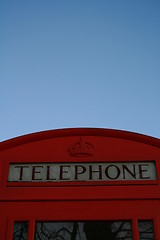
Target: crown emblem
x: 81, y: 149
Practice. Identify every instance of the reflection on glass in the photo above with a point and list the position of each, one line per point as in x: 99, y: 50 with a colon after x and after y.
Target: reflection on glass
x: 90, y: 230
x: 20, y: 231
x: 146, y: 231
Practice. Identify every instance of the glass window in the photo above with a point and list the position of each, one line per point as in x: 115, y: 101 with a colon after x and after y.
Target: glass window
x: 20, y: 231
x: 90, y: 230
x: 146, y: 231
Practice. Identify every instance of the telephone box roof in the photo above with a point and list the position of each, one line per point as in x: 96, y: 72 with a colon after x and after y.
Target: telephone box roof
x: 58, y: 133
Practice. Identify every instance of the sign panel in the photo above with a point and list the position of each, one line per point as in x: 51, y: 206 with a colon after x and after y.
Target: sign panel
x: 74, y: 172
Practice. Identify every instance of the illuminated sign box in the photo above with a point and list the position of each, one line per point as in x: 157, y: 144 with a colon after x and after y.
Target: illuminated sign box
x: 74, y: 172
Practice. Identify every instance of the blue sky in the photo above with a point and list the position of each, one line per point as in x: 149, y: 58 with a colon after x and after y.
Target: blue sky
x: 79, y: 64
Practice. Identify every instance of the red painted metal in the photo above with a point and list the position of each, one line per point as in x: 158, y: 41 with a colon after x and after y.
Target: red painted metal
x: 32, y: 202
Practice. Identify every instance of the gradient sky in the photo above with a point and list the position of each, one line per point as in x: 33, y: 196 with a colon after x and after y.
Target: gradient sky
x: 68, y: 63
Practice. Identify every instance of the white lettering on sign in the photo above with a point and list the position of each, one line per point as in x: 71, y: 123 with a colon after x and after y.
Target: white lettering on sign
x: 65, y: 172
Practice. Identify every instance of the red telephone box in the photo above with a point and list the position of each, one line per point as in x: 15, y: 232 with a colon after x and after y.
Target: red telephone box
x: 80, y: 184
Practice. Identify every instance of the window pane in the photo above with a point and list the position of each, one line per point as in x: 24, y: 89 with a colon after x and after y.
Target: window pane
x: 20, y: 231
x: 146, y: 231
x: 90, y: 230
